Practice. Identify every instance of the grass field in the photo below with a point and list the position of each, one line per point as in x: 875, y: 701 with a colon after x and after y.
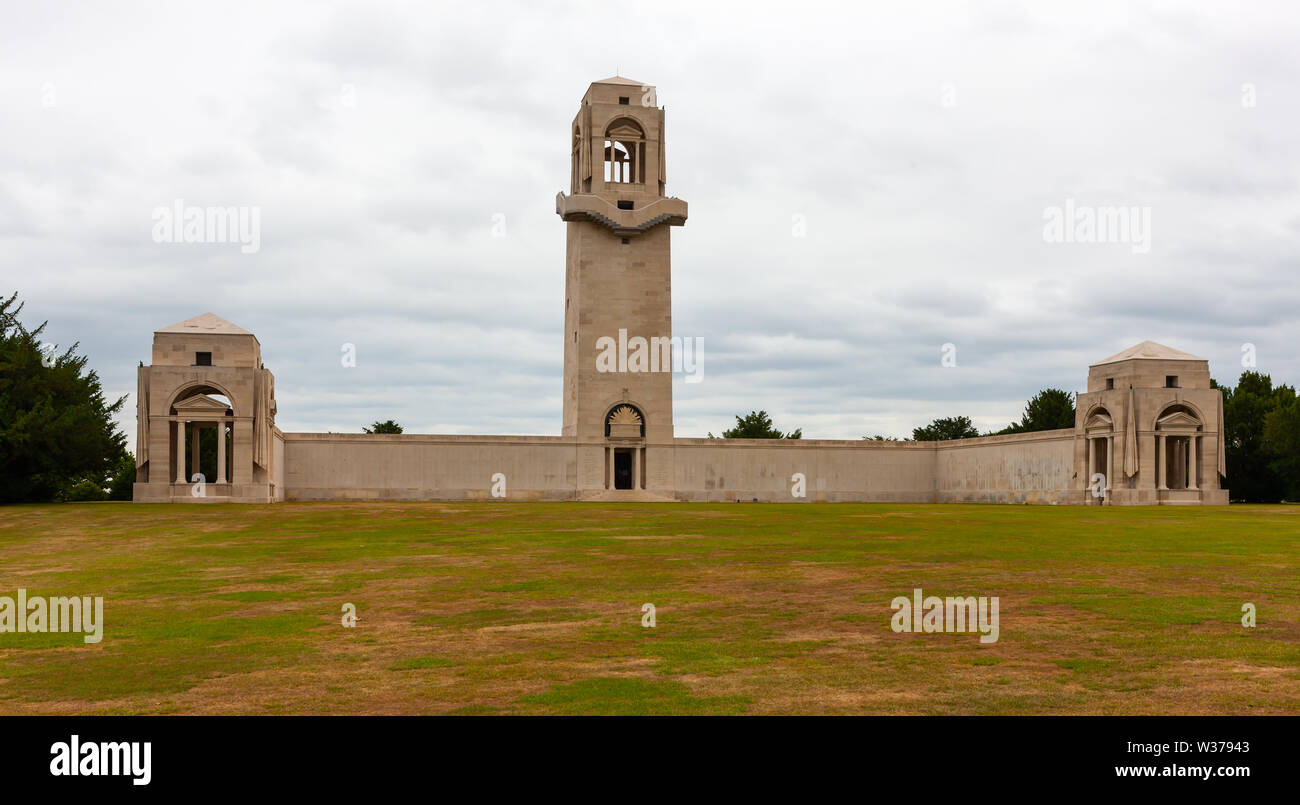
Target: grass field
x: 536, y: 608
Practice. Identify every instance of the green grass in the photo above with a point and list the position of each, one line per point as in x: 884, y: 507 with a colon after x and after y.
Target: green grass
x: 485, y: 608
x: 417, y: 663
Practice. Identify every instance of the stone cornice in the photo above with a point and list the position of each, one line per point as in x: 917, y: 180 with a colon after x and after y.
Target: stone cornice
x: 625, y: 223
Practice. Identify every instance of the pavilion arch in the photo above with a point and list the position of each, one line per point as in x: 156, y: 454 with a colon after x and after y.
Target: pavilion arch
x: 200, y: 387
x: 1180, y: 432
x: 1099, y: 433
x: 624, y: 152
x: 192, y: 409
x: 1096, y: 416
x: 1172, y: 406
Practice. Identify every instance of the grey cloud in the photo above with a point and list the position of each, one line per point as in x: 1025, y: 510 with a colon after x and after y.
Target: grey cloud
x: 923, y: 222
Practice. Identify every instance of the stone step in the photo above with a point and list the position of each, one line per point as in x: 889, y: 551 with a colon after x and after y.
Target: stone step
x: 626, y: 496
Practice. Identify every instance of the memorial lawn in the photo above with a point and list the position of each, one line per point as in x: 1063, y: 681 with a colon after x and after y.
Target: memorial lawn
x: 758, y: 608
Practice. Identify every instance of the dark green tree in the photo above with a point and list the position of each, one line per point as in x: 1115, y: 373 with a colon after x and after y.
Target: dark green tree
x: 387, y: 426
x: 1282, y: 442
x: 123, y: 476
x: 57, y: 435
x: 1049, y: 409
x: 955, y: 427
x: 82, y: 491
x: 1252, y: 460
x: 757, y: 425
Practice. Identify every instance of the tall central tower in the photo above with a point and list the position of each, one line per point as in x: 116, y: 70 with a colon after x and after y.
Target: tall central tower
x: 618, y: 393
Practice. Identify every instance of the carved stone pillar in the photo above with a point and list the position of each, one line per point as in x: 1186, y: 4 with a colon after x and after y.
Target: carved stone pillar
x: 1163, y: 463
x: 179, y: 452
x: 1110, y: 462
x: 221, y: 451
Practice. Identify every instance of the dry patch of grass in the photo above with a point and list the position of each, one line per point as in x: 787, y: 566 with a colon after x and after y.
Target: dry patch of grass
x: 536, y: 608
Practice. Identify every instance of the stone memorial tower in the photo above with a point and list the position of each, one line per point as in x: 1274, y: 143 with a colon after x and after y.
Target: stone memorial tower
x: 618, y: 394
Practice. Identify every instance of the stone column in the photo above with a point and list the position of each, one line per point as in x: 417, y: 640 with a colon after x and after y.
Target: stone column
x: 179, y: 452
x: 1194, y: 443
x: 636, y: 467
x: 221, y: 451
x: 1162, y: 459
x: 609, y: 465
x: 1171, y: 475
x: 242, y: 457
x: 1184, y: 447
x: 1110, y: 462
x: 158, y: 469
x: 1092, y: 459
x: 194, y: 448
x: 1182, y: 463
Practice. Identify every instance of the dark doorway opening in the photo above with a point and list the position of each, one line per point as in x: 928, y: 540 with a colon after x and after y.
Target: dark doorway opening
x: 622, y: 469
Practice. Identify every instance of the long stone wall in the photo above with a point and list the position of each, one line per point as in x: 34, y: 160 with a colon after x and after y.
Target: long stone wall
x: 1022, y: 468
x: 834, y: 471
x: 1018, y: 468
x: 339, y: 466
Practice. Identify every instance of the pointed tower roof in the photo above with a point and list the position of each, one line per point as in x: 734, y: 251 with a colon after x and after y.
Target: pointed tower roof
x: 209, y: 323
x: 1149, y: 350
x: 618, y: 79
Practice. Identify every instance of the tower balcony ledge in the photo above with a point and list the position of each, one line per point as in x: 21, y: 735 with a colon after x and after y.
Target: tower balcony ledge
x: 625, y: 223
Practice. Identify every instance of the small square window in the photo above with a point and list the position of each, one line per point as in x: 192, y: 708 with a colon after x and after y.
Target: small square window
x: 626, y: 241
x: 625, y: 205
x: 1171, y: 381
x: 203, y: 359
x: 1110, y: 383
x: 624, y: 100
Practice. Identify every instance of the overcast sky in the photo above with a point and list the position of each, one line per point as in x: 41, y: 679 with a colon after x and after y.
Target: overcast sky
x: 915, y: 147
